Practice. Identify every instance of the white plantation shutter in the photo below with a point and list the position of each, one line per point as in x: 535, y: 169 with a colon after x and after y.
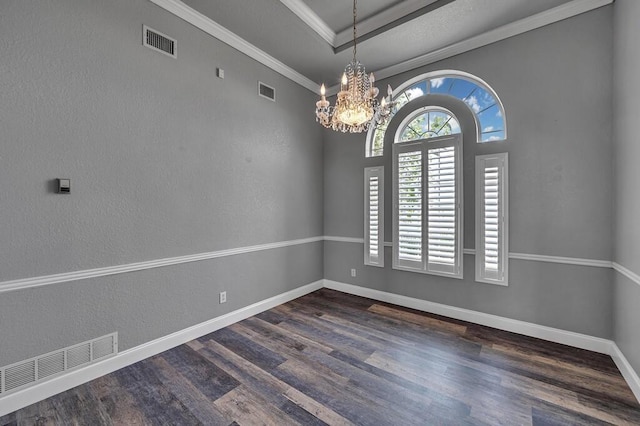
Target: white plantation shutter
x: 443, y: 206
x: 374, y: 216
x: 492, y: 218
x: 410, y: 206
x: 427, y: 206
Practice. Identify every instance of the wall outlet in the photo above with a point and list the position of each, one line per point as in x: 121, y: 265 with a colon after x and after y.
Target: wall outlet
x: 353, y: 272
x: 223, y: 297
x: 220, y: 73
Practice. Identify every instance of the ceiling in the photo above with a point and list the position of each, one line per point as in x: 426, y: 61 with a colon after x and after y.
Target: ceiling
x: 313, y: 38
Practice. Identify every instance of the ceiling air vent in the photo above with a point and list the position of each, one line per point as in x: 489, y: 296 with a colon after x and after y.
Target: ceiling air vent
x: 266, y: 91
x: 158, y: 41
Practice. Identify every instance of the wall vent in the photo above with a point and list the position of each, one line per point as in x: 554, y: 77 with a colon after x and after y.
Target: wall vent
x: 266, y: 91
x: 29, y: 372
x: 157, y: 41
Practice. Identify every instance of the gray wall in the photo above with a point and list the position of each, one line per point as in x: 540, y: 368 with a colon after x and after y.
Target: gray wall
x: 627, y: 176
x: 555, y: 83
x: 165, y: 160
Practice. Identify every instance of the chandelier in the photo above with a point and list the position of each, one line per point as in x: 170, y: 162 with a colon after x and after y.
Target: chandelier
x: 357, y: 108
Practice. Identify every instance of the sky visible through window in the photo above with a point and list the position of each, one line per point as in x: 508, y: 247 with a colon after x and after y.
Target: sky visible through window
x: 484, y: 105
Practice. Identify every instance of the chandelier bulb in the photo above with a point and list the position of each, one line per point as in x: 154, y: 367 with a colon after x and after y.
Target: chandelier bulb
x: 344, y: 78
x: 372, y: 79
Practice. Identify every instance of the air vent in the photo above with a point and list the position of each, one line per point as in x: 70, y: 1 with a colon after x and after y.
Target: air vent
x: 29, y: 372
x: 266, y: 91
x: 159, y: 42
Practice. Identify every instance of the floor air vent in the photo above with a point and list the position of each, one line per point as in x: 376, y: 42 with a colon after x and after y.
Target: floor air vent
x: 159, y: 42
x: 25, y: 373
x: 266, y: 91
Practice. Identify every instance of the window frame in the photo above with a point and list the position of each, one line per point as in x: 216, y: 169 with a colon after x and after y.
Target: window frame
x: 369, y: 172
x: 424, y: 146
x: 501, y: 275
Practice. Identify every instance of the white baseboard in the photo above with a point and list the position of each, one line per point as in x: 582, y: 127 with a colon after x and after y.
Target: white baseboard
x: 564, y: 337
x: 570, y: 338
x: 25, y: 397
x: 626, y: 369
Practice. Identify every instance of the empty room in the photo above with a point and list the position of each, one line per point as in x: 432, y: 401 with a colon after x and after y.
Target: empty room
x: 294, y: 212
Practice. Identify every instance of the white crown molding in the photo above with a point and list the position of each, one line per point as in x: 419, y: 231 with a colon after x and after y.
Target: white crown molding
x: 197, y: 19
x: 381, y: 19
x: 190, y: 15
x: 23, y: 398
x: 309, y: 17
x: 559, y: 259
x: 24, y: 283
x: 559, y: 13
x: 627, y: 272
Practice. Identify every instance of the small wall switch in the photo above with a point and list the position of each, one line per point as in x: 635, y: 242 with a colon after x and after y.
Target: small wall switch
x: 353, y: 272
x: 64, y: 186
x: 223, y: 297
x: 220, y: 73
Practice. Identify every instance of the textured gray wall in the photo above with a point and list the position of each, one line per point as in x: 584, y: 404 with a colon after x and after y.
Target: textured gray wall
x: 627, y: 176
x: 165, y: 160
x: 556, y: 88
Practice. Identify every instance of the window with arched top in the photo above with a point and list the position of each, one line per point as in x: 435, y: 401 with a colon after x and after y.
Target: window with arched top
x: 426, y: 123
x: 481, y: 99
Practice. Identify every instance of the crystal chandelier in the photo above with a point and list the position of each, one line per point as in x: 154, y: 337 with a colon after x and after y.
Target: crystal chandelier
x: 357, y: 108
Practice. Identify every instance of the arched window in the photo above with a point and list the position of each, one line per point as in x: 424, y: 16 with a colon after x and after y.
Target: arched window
x: 481, y: 99
x: 428, y: 122
x: 427, y: 193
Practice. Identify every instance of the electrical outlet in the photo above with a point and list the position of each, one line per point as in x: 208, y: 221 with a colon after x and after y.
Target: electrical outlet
x: 223, y: 297
x: 220, y: 73
x: 353, y: 272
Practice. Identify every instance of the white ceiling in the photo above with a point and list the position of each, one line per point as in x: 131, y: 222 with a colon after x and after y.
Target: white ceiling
x: 300, y: 36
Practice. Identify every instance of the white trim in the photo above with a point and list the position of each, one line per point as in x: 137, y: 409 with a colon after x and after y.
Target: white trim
x: 190, y: 15
x: 570, y: 338
x: 381, y: 19
x: 558, y: 259
x: 46, y: 389
x: 344, y: 239
x: 309, y: 17
x: 23, y: 283
x: 197, y: 19
x: 626, y: 272
x: 550, y: 16
x: 577, y: 340
x: 31, y: 282
x: 626, y: 369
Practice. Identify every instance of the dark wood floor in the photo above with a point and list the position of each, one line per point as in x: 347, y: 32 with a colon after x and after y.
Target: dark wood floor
x: 332, y: 358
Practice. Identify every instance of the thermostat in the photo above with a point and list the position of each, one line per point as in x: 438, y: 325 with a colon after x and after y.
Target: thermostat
x: 64, y: 186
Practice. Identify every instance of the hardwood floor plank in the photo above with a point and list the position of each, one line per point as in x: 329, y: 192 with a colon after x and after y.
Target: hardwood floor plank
x: 253, y: 376
x: 330, y: 358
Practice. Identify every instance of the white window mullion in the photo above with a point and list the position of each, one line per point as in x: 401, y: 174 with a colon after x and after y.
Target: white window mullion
x: 374, y: 216
x: 492, y: 219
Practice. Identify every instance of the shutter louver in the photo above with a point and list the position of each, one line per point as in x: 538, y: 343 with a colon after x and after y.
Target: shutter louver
x: 491, y: 219
x: 374, y: 216
x: 410, y: 206
x: 442, y: 221
x: 492, y: 224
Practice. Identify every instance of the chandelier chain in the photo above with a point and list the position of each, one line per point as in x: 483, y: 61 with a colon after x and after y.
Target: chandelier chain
x: 355, y: 2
